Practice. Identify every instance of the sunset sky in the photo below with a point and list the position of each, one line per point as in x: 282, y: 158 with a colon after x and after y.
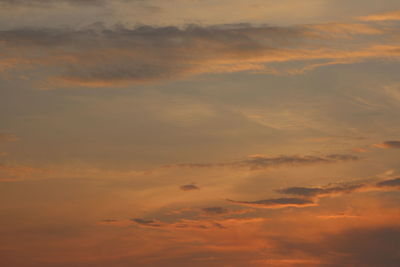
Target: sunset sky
x: 191, y: 133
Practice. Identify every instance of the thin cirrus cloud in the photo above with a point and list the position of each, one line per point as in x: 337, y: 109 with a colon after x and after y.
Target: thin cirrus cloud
x: 185, y: 224
x: 193, y: 224
x: 99, y: 56
x: 258, y: 162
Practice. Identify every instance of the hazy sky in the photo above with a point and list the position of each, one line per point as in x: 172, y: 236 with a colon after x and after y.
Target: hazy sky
x: 199, y: 133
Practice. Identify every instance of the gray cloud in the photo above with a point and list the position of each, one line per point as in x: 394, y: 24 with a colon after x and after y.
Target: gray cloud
x: 99, y: 56
x: 390, y: 183
x: 189, y: 187
x: 144, y: 222
x: 307, y: 196
x: 320, y: 191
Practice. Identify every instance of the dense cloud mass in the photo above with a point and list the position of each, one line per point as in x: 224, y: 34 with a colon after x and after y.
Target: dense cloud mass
x: 99, y: 56
x: 102, y: 56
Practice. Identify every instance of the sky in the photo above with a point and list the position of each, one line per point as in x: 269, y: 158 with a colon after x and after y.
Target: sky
x: 199, y: 133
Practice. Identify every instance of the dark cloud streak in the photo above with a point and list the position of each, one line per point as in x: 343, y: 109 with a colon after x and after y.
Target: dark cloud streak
x: 189, y: 187
x: 389, y: 144
x: 276, y: 202
x: 320, y: 191
x: 390, y: 183
x: 262, y: 162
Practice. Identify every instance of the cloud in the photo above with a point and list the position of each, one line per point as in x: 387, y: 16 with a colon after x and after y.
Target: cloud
x: 332, y: 190
x: 368, y: 247
x: 98, y: 56
x: 389, y: 144
x: 41, y: 3
x: 321, y: 191
x: 9, y: 173
x: 116, y: 56
x: 150, y: 223
x: 215, y: 210
x: 393, y: 15
x: 309, y: 196
x: 183, y: 224
x: 276, y: 203
x: 257, y: 162
x: 189, y: 187
x: 5, y: 137
x: 390, y: 183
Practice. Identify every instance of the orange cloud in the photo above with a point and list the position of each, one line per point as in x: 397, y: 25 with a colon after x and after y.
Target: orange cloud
x: 388, y: 144
x: 6, y: 137
x: 392, y: 15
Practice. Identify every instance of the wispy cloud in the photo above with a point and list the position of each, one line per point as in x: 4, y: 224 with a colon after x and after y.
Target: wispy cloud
x: 309, y: 196
x: 9, y: 173
x: 321, y: 191
x: 183, y: 224
x: 257, y: 162
x: 276, y: 203
x: 392, y: 15
x: 215, y: 210
x: 43, y: 3
x: 6, y: 137
x: 151, y: 223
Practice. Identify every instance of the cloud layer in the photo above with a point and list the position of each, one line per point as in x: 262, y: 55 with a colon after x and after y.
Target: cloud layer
x: 102, y: 56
